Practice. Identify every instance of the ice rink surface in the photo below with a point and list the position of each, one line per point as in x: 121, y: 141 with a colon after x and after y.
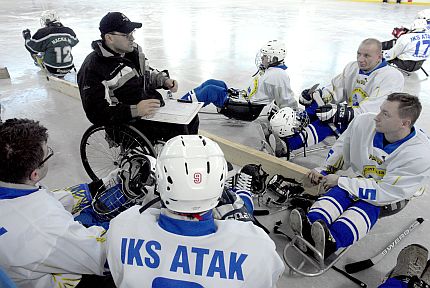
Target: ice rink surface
x: 197, y: 40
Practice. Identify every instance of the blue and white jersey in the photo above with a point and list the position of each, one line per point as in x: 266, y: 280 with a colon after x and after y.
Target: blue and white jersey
x: 364, y: 92
x: 154, y: 249
x: 272, y: 84
x: 41, y: 245
x: 412, y: 46
x: 385, y: 173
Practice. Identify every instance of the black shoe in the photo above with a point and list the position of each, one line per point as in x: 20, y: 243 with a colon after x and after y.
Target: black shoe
x: 301, y: 226
x: 324, y: 241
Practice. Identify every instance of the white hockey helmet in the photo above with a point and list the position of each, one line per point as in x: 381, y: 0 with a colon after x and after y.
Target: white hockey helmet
x: 419, y: 25
x: 287, y: 121
x: 47, y: 17
x: 424, y: 14
x: 275, y: 52
x: 191, y: 171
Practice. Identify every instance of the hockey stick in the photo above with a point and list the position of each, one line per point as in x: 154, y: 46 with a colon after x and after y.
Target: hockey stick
x: 364, y: 264
x: 360, y: 283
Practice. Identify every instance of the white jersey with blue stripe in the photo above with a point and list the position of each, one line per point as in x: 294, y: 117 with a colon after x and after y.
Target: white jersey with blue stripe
x: 386, y: 173
x: 413, y: 46
x: 272, y: 84
x: 152, y: 249
x: 40, y: 243
x: 364, y: 92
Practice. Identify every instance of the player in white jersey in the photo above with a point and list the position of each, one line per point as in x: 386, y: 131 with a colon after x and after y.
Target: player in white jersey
x: 410, y: 50
x: 361, y: 87
x: 270, y: 84
x: 40, y: 243
x: 381, y: 150
x: 182, y: 245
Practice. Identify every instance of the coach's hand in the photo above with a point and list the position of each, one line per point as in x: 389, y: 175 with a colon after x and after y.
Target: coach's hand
x: 148, y: 107
x: 171, y: 84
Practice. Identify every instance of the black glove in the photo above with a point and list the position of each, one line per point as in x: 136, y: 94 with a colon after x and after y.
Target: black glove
x: 26, y: 34
x: 339, y: 114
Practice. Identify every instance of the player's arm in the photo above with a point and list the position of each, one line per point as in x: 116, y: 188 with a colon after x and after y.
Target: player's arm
x: 397, y: 49
x: 36, y: 43
x: 73, y: 39
x: 77, y: 250
x: 338, y: 156
x: 401, y: 182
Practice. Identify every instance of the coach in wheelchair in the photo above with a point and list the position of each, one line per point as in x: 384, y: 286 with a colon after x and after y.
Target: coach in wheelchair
x: 118, y: 86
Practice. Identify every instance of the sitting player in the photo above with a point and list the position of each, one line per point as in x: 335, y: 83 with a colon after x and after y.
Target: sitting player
x: 381, y: 151
x: 270, y: 83
x: 361, y: 87
x: 410, y: 50
x: 399, y: 31
x: 181, y: 245
x: 62, y: 253
x: 51, y: 46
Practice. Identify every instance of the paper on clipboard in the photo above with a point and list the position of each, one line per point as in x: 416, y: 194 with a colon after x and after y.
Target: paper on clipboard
x: 176, y: 112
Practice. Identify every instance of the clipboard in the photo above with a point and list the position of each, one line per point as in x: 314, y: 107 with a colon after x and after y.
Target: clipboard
x: 176, y: 112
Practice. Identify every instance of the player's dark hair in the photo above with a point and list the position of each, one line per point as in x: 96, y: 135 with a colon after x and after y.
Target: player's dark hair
x: 21, y: 149
x: 409, y: 105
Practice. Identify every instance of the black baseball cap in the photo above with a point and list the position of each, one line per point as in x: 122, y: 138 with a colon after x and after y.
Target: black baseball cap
x: 116, y: 21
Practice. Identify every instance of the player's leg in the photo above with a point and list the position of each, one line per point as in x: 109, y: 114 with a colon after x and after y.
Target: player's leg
x: 353, y: 224
x: 210, y: 91
x: 330, y: 206
x: 327, y: 208
x: 314, y: 133
x: 405, y: 65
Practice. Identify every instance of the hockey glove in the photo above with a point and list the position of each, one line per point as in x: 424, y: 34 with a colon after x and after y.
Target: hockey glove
x: 281, y: 189
x: 306, y: 98
x: 399, y: 31
x: 237, y: 94
x: 26, y: 34
x: 339, y: 114
x: 233, y: 206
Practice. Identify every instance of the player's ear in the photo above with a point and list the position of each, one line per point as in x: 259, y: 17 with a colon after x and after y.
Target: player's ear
x: 35, y: 175
x: 407, y: 122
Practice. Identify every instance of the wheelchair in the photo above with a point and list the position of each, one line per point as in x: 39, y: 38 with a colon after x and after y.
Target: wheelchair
x: 103, y: 146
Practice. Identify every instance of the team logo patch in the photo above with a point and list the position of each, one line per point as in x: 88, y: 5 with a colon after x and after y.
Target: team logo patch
x: 357, y: 95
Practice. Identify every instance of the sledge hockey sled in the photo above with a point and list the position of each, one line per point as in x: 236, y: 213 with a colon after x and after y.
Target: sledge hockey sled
x: 311, y: 262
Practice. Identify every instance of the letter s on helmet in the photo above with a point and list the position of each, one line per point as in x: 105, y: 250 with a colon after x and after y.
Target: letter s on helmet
x: 191, y: 171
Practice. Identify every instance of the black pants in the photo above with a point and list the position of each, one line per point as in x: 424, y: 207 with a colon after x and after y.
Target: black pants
x: 95, y: 281
x: 165, y: 131
x: 407, y: 65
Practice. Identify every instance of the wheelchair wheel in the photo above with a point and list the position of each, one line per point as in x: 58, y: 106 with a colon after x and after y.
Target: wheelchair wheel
x: 102, y: 148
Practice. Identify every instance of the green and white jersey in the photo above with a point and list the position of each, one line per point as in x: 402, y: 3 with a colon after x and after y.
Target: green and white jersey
x: 56, y: 43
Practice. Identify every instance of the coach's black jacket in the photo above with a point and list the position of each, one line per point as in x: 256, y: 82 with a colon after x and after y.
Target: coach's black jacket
x: 111, y: 85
